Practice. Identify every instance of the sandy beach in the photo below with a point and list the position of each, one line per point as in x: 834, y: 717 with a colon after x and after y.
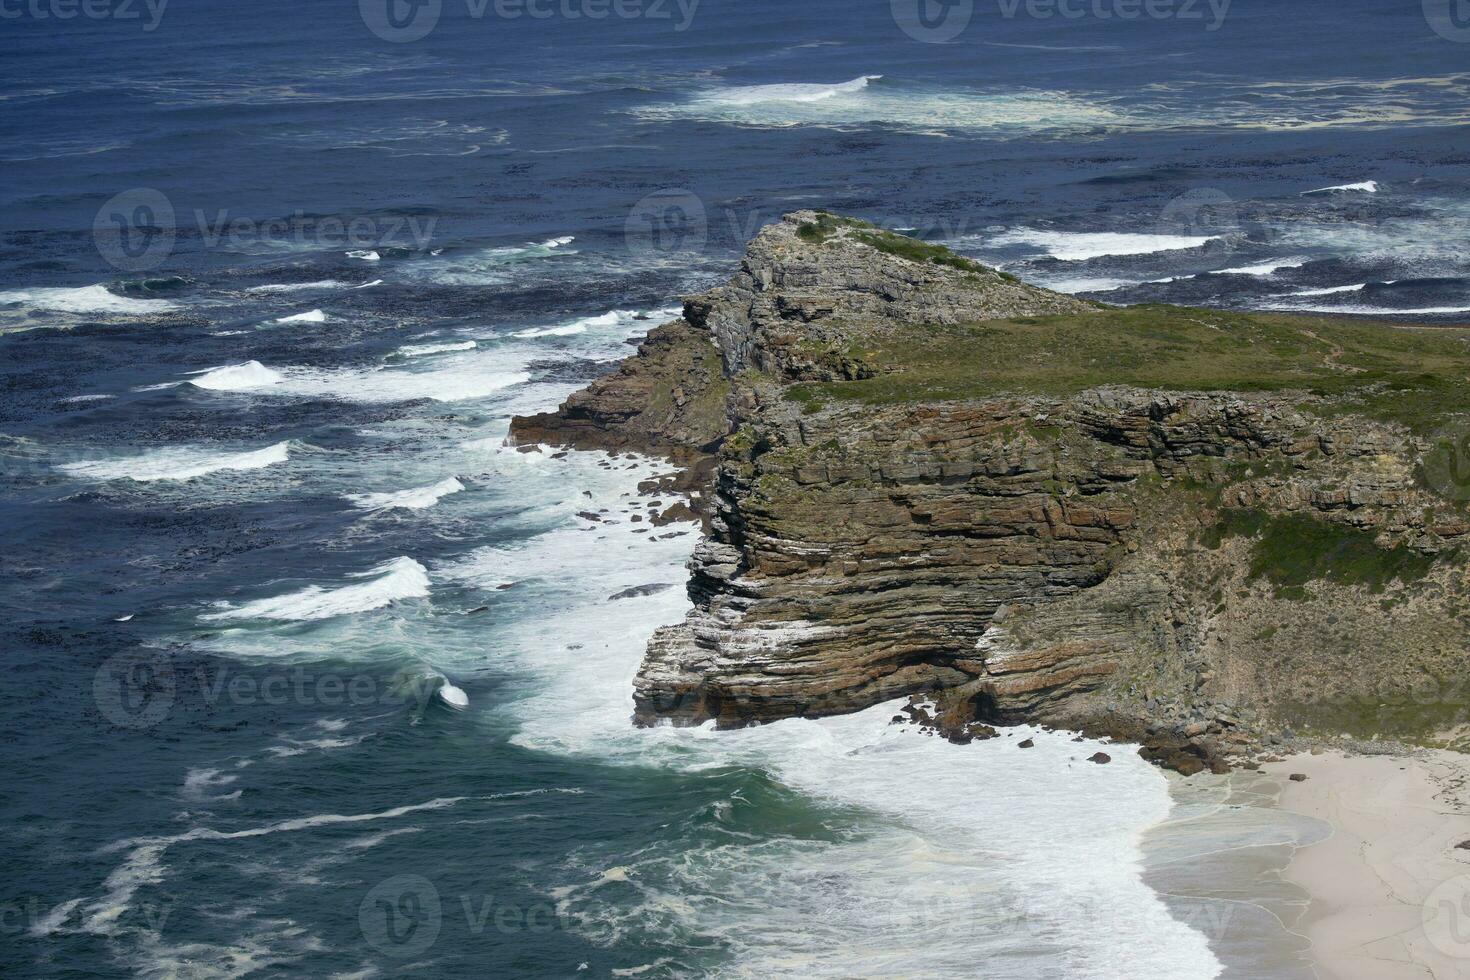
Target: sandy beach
x: 1389, y: 888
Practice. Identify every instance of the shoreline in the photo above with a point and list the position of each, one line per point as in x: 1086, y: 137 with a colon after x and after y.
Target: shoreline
x: 1353, y: 873
x: 1389, y: 890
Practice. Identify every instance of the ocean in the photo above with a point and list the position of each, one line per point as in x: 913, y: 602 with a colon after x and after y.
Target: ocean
x: 309, y: 675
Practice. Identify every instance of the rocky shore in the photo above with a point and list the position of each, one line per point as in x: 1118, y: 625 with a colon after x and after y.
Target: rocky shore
x: 1218, y: 535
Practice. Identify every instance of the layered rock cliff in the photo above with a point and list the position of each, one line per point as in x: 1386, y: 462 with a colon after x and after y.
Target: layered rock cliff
x: 926, y: 476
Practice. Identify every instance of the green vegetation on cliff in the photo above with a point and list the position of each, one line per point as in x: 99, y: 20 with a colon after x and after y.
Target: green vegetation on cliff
x: 1291, y: 550
x: 1416, y: 376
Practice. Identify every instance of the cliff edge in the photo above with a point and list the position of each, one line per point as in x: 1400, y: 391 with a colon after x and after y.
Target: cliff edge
x: 926, y: 477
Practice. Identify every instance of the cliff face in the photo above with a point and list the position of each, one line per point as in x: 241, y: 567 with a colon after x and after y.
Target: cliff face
x: 922, y: 487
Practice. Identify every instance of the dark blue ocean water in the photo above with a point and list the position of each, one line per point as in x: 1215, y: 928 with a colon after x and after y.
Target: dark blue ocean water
x: 274, y: 276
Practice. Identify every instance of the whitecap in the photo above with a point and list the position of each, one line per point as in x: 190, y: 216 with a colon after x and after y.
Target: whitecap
x: 421, y: 350
x: 200, y: 785
x: 75, y: 399
x: 457, y: 381
x: 291, y: 287
x: 310, y: 316
x: 370, y: 282
x: 1330, y: 290
x: 236, y: 377
x: 1264, y: 269
x: 84, y: 299
x: 919, y: 109
x: 453, y: 696
x: 1075, y: 246
x: 177, y: 463
x: 1378, y: 311
x: 1365, y: 187
x: 751, y: 94
x: 398, y: 578
x: 365, y: 254
x: 610, y: 319
x: 415, y: 499
x: 1073, y: 286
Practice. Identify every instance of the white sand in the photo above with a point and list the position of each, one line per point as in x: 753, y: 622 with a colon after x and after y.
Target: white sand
x: 1390, y: 892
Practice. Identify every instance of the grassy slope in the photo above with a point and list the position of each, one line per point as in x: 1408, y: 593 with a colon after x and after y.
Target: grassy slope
x: 1417, y: 376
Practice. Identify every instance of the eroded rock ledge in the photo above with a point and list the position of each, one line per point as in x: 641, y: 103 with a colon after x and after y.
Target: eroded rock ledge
x: 922, y: 480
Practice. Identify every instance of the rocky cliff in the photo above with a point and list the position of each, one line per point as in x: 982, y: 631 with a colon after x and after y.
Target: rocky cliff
x: 926, y: 477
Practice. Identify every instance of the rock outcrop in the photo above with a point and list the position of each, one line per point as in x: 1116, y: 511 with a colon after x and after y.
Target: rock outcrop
x: 1193, y: 568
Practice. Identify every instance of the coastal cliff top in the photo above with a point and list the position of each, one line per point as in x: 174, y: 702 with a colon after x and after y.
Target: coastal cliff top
x: 841, y: 311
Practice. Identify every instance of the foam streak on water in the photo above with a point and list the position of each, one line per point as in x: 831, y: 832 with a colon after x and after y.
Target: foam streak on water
x: 980, y: 853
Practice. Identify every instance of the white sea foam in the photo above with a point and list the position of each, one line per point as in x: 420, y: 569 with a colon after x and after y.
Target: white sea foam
x: 1364, y: 187
x: 292, y: 287
x: 1385, y: 312
x: 566, y: 330
x: 453, y: 696
x: 602, y: 321
x: 365, y: 254
x: 1330, y: 290
x: 422, y: 350
x: 870, y: 99
x: 1264, y: 269
x: 1040, y: 867
x: 1072, y: 286
x: 399, y: 578
x: 310, y: 316
x: 84, y: 299
x: 1074, y: 246
x: 76, y: 399
x: 492, y: 265
x: 237, y: 377
x: 370, y: 282
x: 415, y: 499
x: 202, y: 785
x: 751, y: 94
x: 456, y: 380
x: 177, y: 463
